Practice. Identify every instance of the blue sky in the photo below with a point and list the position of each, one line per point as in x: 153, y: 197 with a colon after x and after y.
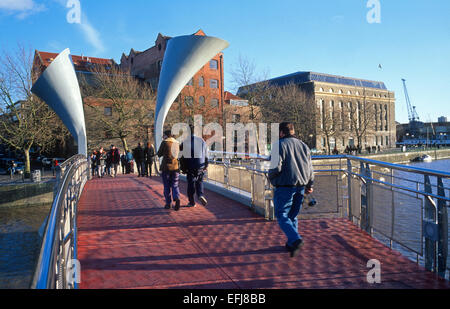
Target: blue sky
x: 412, y: 40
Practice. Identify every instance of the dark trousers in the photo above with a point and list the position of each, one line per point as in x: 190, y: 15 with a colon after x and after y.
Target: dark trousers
x: 194, y: 184
x: 140, y: 168
x: 171, y: 188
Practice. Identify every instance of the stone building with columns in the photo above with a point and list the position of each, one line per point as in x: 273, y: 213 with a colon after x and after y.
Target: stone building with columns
x: 356, y: 112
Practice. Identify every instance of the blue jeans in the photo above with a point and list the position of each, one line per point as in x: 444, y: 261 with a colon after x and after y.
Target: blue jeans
x: 288, y: 203
x: 195, y: 184
x: 170, y: 182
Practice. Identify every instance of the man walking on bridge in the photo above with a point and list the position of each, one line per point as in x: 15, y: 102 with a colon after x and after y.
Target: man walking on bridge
x: 292, y: 178
x: 170, y: 170
x: 194, y: 163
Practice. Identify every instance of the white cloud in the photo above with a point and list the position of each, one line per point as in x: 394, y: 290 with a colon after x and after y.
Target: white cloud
x: 91, y: 34
x: 23, y: 8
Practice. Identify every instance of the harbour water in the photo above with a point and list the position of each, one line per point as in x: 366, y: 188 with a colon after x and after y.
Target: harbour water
x: 409, y: 209
x: 20, y: 243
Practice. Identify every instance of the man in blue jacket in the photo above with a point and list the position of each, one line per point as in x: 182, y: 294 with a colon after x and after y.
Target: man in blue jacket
x: 194, y: 162
x: 292, y: 177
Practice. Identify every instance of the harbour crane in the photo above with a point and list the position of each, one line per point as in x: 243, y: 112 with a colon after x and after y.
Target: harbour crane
x: 412, y: 113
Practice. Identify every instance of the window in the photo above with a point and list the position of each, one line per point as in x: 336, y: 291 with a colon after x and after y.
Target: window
x: 201, y: 82
x: 321, y: 89
x: 189, y: 101
x: 107, y: 111
x: 387, y: 140
x: 213, y: 64
x: 236, y: 118
x: 331, y: 90
x: 213, y: 83
x: 201, y: 101
x: 191, y: 82
x: 214, y: 103
x: 332, y: 142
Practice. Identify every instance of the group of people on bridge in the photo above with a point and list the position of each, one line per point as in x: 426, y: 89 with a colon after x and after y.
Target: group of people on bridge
x: 292, y: 177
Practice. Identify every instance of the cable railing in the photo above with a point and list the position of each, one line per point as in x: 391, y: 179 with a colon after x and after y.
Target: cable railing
x: 405, y: 206
x: 57, y: 266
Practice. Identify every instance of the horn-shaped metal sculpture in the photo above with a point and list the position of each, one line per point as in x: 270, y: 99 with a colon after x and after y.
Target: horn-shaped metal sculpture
x: 58, y: 87
x: 184, y: 57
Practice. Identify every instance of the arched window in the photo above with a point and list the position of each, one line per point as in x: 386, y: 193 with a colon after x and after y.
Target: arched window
x: 201, y: 81
x: 213, y: 64
x: 201, y: 101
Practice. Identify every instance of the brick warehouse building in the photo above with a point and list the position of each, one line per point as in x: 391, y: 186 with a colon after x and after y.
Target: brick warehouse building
x: 339, y: 98
x: 204, y: 94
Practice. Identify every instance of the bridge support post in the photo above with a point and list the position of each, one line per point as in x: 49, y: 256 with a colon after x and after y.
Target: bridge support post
x: 429, y: 229
x: 442, y: 217
x: 366, y: 199
x: 349, y: 189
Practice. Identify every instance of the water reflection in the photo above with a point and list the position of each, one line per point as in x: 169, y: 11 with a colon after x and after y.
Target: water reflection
x: 19, y: 244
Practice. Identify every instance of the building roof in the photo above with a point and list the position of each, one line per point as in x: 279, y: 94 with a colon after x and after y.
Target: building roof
x: 305, y: 77
x: 80, y: 62
x: 229, y: 96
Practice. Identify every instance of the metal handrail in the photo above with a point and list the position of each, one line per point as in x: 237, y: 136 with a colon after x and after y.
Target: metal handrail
x: 51, y: 270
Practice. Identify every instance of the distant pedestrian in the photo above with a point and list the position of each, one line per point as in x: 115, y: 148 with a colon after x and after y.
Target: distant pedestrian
x: 101, y: 162
x: 138, y: 154
x: 123, y: 162
x: 55, y: 164
x: 114, y: 156
x: 93, y: 163
x: 130, y: 162
x: 170, y: 170
x: 292, y: 178
x: 194, y: 162
x: 149, y: 157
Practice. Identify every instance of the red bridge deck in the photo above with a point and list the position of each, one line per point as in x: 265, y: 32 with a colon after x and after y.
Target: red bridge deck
x: 127, y: 239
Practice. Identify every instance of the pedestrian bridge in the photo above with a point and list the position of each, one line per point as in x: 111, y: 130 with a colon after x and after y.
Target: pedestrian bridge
x: 115, y: 233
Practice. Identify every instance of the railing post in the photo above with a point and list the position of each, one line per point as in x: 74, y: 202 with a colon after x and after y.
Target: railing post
x: 366, y: 199
x: 349, y: 189
x: 443, y: 230
x: 429, y: 227
x: 226, y: 173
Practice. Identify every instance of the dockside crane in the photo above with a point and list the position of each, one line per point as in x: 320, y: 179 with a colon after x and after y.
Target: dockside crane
x: 414, y: 120
x: 412, y: 113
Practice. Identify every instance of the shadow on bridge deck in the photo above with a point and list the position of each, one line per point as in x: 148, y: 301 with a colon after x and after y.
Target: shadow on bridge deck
x: 126, y: 239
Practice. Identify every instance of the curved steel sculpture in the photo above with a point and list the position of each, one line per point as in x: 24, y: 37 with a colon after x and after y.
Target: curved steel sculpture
x: 184, y: 57
x: 58, y: 87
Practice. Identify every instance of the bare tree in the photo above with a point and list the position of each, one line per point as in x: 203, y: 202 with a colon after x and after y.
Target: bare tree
x: 329, y: 123
x: 25, y: 120
x: 361, y: 119
x: 293, y: 104
x: 119, y: 105
x: 245, y: 74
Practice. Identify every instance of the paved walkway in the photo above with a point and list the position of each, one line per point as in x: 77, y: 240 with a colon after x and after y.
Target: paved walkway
x: 127, y: 239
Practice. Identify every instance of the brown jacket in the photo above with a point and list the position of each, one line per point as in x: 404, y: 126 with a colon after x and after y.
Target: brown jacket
x: 169, y: 150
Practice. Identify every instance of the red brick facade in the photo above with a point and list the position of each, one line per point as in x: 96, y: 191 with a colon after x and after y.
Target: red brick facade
x: 203, y: 95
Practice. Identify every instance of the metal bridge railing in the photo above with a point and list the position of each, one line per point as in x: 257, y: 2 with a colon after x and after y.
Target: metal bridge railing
x: 404, y: 205
x: 57, y: 267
